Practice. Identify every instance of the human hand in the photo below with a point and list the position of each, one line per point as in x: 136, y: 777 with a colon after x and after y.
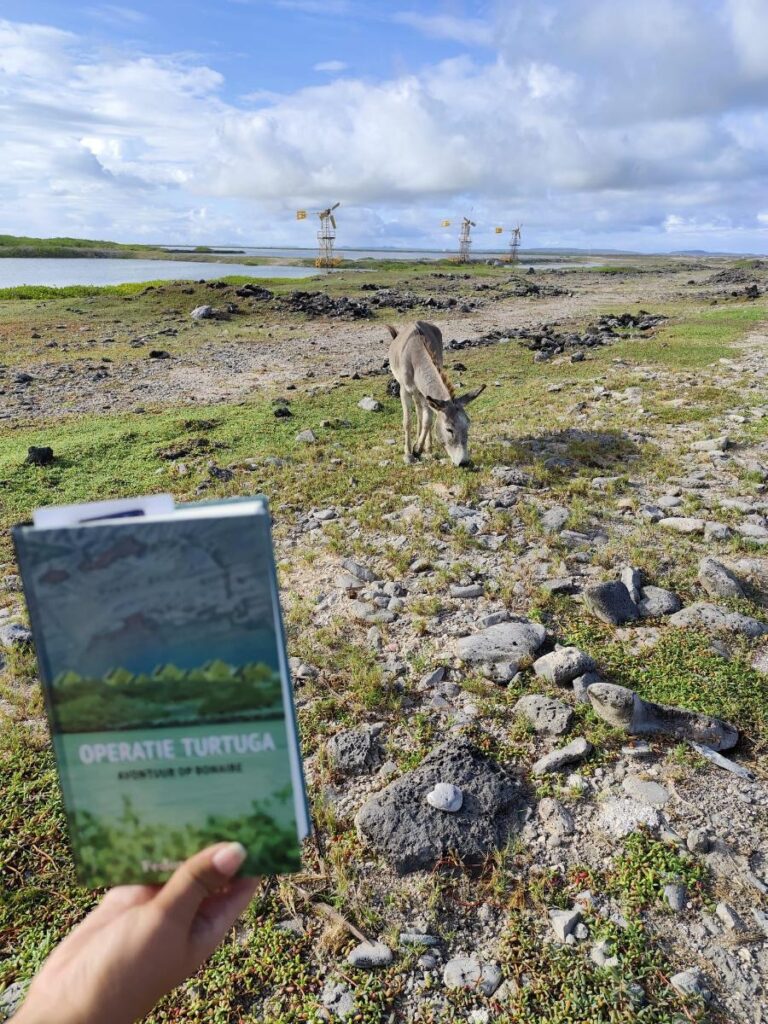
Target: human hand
x: 140, y: 942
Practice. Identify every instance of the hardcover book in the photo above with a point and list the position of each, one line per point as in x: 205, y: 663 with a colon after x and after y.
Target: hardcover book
x: 162, y: 657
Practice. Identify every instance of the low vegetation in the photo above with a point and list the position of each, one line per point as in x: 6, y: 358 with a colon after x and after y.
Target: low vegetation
x: 531, y: 415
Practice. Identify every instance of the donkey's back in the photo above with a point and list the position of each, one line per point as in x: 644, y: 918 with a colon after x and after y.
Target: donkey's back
x: 407, y: 355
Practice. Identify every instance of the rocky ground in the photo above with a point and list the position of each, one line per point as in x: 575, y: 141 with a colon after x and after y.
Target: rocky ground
x: 511, y: 825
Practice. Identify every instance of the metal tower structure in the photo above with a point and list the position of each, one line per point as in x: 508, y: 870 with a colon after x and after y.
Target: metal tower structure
x: 326, y: 236
x: 465, y: 241
x: 514, y: 244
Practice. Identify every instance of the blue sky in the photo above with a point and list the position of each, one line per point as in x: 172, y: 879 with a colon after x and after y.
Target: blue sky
x: 602, y: 123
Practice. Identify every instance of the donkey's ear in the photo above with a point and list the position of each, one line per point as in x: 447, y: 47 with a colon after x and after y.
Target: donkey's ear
x: 470, y: 395
x: 436, y: 403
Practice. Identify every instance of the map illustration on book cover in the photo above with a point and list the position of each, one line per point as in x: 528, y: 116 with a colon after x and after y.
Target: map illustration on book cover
x: 162, y: 658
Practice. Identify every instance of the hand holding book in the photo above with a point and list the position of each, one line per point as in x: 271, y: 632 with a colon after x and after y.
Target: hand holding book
x: 140, y: 942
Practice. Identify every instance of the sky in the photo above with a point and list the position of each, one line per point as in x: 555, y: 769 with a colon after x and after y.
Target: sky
x: 594, y: 123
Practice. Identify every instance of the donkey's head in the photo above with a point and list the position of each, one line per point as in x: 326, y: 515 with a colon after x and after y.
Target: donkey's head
x: 452, y: 424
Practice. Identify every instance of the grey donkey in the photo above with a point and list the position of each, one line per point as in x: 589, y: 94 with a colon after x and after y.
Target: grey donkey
x: 416, y: 360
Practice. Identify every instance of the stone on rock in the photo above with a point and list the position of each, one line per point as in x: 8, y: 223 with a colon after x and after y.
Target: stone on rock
x: 13, y: 634
x: 514, y: 642
x: 582, y: 683
x: 761, y: 920
x: 714, y: 617
x: 399, y: 823
x: 691, y: 983
x: 633, y: 580
x: 563, y: 665
x: 418, y: 939
x: 353, y: 751
x: 370, y: 404
x: 698, y: 841
x: 717, y: 580
x: 625, y: 709
x: 645, y: 791
x: 655, y: 601
x: 575, y: 751
x: 11, y: 999
x: 611, y: 603
x: 307, y: 436
x: 202, y: 313
x: 753, y: 531
x: 359, y: 571
x: 471, y: 973
x: 712, y: 444
x: 544, y: 713
x: 464, y: 593
x: 621, y: 816
x: 602, y: 955
x: 564, y: 921
x: 683, y: 524
x: 669, y: 501
x: 370, y: 955
x: 445, y: 797
x: 717, y: 531
x: 732, y: 922
x: 676, y: 895
x: 554, y: 519
x: 556, y: 819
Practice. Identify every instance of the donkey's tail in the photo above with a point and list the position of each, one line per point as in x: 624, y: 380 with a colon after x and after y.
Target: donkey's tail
x: 391, y: 330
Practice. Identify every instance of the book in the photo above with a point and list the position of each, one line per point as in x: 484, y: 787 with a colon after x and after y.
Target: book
x: 162, y: 658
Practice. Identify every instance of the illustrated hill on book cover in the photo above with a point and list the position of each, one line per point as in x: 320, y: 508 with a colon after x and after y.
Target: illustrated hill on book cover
x: 162, y: 657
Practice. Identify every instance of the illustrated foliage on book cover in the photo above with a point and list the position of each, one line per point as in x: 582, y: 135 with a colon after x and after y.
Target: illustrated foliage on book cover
x: 161, y: 650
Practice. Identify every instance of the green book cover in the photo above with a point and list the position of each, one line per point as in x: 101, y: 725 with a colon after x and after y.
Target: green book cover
x: 161, y: 653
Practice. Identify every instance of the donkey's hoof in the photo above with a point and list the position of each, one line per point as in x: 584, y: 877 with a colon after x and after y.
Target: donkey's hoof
x: 409, y: 459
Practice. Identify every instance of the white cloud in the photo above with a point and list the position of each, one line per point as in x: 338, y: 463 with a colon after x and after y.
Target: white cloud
x: 589, y: 123
x: 331, y: 66
x: 470, y: 31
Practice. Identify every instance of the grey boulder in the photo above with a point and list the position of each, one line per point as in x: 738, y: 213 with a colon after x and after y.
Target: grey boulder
x: 13, y: 634
x: 369, y: 404
x: 563, y: 665
x: 370, y: 955
x: 353, y: 751
x: 655, y: 601
x: 471, y: 973
x: 717, y: 580
x: 611, y: 603
x: 575, y: 751
x: 715, y: 617
x: 544, y: 713
x: 411, y: 835
x: 554, y: 519
x: 514, y: 642
x: 625, y: 709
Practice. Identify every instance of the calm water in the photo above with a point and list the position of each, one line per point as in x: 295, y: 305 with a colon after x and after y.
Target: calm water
x: 57, y: 272
x: 538, y: 263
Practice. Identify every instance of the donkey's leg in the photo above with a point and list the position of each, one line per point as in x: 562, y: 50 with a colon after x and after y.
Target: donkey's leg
x: 406, y: 404
x: 425, y: 417
x: 430, y: 424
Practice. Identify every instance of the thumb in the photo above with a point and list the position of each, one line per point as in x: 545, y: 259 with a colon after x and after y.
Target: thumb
x: 198, y: 878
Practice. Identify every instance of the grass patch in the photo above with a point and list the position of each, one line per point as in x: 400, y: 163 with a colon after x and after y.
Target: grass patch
x: 683, y: 670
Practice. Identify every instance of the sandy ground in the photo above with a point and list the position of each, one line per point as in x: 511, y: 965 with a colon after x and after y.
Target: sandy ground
x: 229, y: 368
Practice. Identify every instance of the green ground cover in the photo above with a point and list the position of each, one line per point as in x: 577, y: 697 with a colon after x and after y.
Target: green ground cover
x: 98, y: 455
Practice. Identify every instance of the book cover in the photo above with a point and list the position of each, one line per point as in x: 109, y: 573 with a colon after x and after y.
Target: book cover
x: 162, y: 658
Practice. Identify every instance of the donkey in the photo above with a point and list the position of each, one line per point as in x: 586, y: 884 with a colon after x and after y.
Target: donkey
x: 416, y: 360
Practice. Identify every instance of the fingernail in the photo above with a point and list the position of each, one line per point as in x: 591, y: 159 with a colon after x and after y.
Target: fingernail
x: 228, y: 859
